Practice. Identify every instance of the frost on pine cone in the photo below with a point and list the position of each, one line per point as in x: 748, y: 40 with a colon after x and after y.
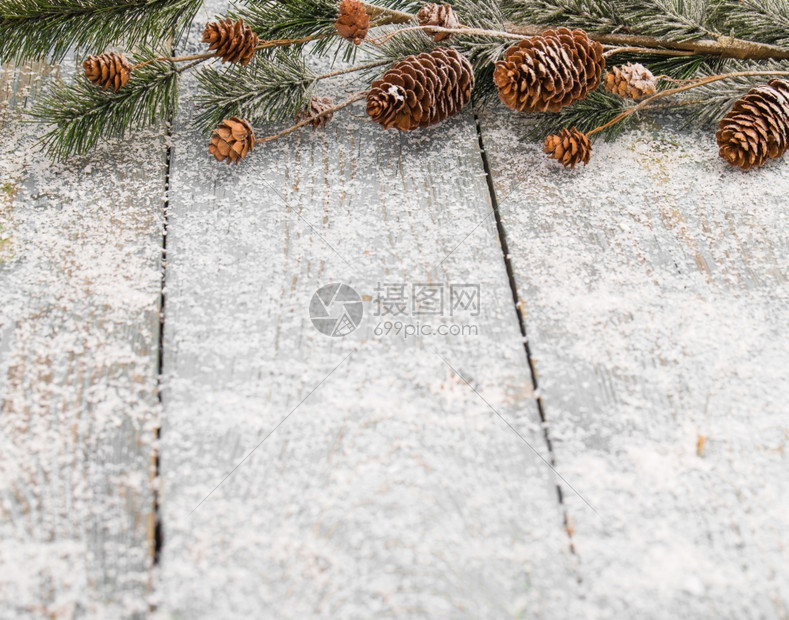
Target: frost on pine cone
x: 441, y: 15
x: 631, y: 81
x: 232, y: 140
x: 233, y: 42
x: 569, y: 147
x: 353, y: 22
x: 421, y: 90
x: 757, y: 127
x: 550, y: 71
x: 313, y: 109
x: 108, y: 70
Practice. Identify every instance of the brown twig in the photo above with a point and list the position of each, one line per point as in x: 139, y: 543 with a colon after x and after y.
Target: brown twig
x: 352, y: 99
x: 680, y: 89
x: 283, y: 42
x: 645, y: 50
x: 173, y: 59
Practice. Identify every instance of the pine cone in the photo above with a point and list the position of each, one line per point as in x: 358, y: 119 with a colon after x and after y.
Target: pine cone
x: 233, y: 42
x: 441, y: 15
x: 353, y: 22
x: 421, y: 90
x: 631, y: 81
x: 315, y: 107
x: 757, y: 127
x: 232, y: 140
x: 548, y: 72
x: 569, y: 148
x: 108, y: 70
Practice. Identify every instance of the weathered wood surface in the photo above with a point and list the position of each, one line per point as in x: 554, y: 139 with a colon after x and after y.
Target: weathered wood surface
x: 80, y: 253
x: 654, y: 285
x: 392, y: 489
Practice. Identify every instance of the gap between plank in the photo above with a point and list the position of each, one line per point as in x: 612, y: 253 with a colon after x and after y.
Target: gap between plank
x: 158, y: 534
x: 502, y: 234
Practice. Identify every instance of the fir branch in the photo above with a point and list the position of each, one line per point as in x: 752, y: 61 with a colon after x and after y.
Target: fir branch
x: 674, y: 20
x: 82, y: 114
x: 268, y: 89
x: 597, y: 109
x: 680, y: 67
x: 402, y: 6
x: 710, y: 102
x: 311, y: 119
x: 766, y: 21
x: 591, y: 15
x: 406, y: 44
x: 647, y: 103
x: 296, y: 19
x: 30, y: 29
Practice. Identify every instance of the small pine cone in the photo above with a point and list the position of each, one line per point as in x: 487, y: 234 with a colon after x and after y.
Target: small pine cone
x: 441, y: 15
x: 353, y: 21
x: 757, y: 127
x: 232, y: 140
x: 631, y: 81
x: 233, y: 42
x: 315, y: 107
x: 108, y: 70
x: 421, y: 90
x: 550, y: 71
x: 569, y: 147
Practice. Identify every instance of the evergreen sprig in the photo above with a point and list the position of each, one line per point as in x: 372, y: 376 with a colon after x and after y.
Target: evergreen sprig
x: 603, y: 16
x: 707, y: 104
x: 296, y: 19
x: 594, y: 111
x: 757, y: 20
x: 30, y: 29
x: 80, y: 114
x: 674, y: 20
x: 268, y: 89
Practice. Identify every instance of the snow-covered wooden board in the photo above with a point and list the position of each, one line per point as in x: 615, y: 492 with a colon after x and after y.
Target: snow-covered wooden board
x: 654, y: 286
x: 390, y: 488
x: 80, y: 256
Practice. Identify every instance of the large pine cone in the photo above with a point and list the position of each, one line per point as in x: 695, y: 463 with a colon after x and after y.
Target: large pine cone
x: 550, y: 71
x: 570, y: 147
x: 631, y: 81
x: 441, y: 15
x: 757, y: 127
x: 233, y: 42
x: 316, y: 106
x: 353, y: 22
x: 421, y: 90
x: 108, y: 70
x: 232, y: 140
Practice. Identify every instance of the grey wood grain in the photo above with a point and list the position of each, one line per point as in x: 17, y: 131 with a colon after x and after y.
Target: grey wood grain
x: 654, y: 286
x: 390, y: 488
x: 80, y: 254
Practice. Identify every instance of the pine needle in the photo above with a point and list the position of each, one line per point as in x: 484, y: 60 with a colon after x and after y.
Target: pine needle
x: 34, y: 30
x: 596, y: 110
x: 81, y: 114
x: 268, y: 89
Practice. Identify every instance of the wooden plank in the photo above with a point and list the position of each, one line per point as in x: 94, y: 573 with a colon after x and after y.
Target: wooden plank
x: 80, y: 283
x: 391, y: 489
x: 654, y: 285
